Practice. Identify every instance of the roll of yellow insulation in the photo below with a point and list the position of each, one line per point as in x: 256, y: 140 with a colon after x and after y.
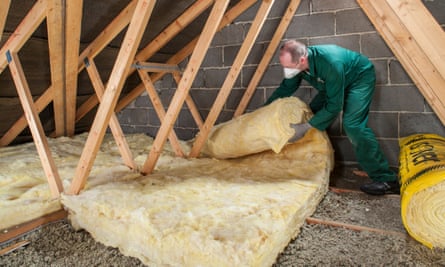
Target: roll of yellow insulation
x: 422, y: 177
x: 267, y: 128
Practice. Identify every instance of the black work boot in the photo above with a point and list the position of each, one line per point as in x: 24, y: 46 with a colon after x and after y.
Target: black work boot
x: 381, y: 188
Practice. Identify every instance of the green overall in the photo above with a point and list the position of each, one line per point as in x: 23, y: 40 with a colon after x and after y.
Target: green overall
x: 345, y: 80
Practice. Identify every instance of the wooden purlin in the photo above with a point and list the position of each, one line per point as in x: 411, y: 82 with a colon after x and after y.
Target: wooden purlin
x: 184, y: 85
x: 114, y: 86
x: 54, y: 22
x: 4, y: 9
x: 38, y: 134
x: 160, y: 111
x: 265, y: 60
x: 227, y: 86
x: 73, y: 25
x: 115, y: 127
x: 403, y: 39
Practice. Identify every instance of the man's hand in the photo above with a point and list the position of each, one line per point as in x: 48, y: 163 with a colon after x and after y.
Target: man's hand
x: 300, y: 130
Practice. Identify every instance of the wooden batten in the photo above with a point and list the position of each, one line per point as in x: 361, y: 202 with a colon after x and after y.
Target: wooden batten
x: 38, y: 134
x: 115, y: 127
x: 4, y: 9
x: 406, y: 37
x: 184, y: 85
x: 118, y: 75
x: 265, y: 60
x: 226, y: 88
x: 73, y: 23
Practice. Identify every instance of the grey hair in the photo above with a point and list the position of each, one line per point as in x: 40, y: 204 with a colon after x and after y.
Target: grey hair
x: 295, y: 49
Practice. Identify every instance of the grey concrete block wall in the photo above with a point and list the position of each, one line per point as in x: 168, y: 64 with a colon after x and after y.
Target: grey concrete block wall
x: 398, y: 108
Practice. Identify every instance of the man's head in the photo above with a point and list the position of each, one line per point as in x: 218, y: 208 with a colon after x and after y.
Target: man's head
x: 293, y: 58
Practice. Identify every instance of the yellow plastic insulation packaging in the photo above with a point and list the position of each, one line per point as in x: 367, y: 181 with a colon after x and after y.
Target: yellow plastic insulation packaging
x: 422, y: 174
x: 267, y: 128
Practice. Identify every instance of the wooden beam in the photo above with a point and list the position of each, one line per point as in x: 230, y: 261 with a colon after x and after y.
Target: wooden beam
x: 72, y: 45
x: 4, y: 9
x: 414, y: 58
x: 41, y: 103
x: 55, y: 23
x: 159, y: 108
x: 23, y: 31
x: 230, y: 80
x: 265, y: 60
x: 184, y: 85
x: 229, y: 17
x: 115, y: 127
x: 18, y: 230
x: 118, y: 75
x: 108, y: 34
x: 38, y: 134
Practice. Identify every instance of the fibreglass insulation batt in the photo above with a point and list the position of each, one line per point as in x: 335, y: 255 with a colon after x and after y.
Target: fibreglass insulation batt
x: 208, y: 212
x: 267, y: 128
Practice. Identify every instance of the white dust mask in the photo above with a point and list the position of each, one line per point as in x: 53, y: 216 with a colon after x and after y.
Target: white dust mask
x: 290, y: 73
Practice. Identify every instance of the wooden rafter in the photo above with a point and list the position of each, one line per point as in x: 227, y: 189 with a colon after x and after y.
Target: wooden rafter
x: 416, y: 39
x: 227, y: 86
x: 184, y: 85
x: 114, y: 86
x: 73, y: 25
x: 190, y: 103
x: 229, y: 17
x: 4, y: 9
x: 23, y: 31
x: 148, y: 51
x: 265, y: 60
x: 38, y: 134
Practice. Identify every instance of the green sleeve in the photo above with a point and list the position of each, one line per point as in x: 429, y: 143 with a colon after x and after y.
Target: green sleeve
x: 334, y: 99
x: 286, y: 89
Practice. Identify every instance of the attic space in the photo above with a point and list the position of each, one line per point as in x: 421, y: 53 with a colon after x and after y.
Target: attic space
x: 139, y: 132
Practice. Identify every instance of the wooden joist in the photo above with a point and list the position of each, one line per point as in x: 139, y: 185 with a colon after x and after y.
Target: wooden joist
x: 114, y: 86
x: 38, y: 134
x: 417, y: 40
x: 265, y: 60
x: 227, y: 86
x: 184, y: 85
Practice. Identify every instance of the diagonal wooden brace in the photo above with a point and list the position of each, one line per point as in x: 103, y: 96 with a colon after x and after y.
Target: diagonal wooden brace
x: 115, y: 127
x: 38, y: 134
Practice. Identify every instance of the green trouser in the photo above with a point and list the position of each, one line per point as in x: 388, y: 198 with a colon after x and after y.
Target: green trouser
x: 358, y: 98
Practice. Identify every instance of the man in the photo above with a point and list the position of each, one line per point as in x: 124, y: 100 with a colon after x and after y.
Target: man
x: 345, y: 81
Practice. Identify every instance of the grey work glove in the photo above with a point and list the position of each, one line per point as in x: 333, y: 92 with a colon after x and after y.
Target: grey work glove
x: 300, y: 130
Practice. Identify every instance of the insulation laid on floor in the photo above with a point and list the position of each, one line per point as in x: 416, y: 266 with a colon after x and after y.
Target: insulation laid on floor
x: 208, y: 212
x: 189, y: 212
